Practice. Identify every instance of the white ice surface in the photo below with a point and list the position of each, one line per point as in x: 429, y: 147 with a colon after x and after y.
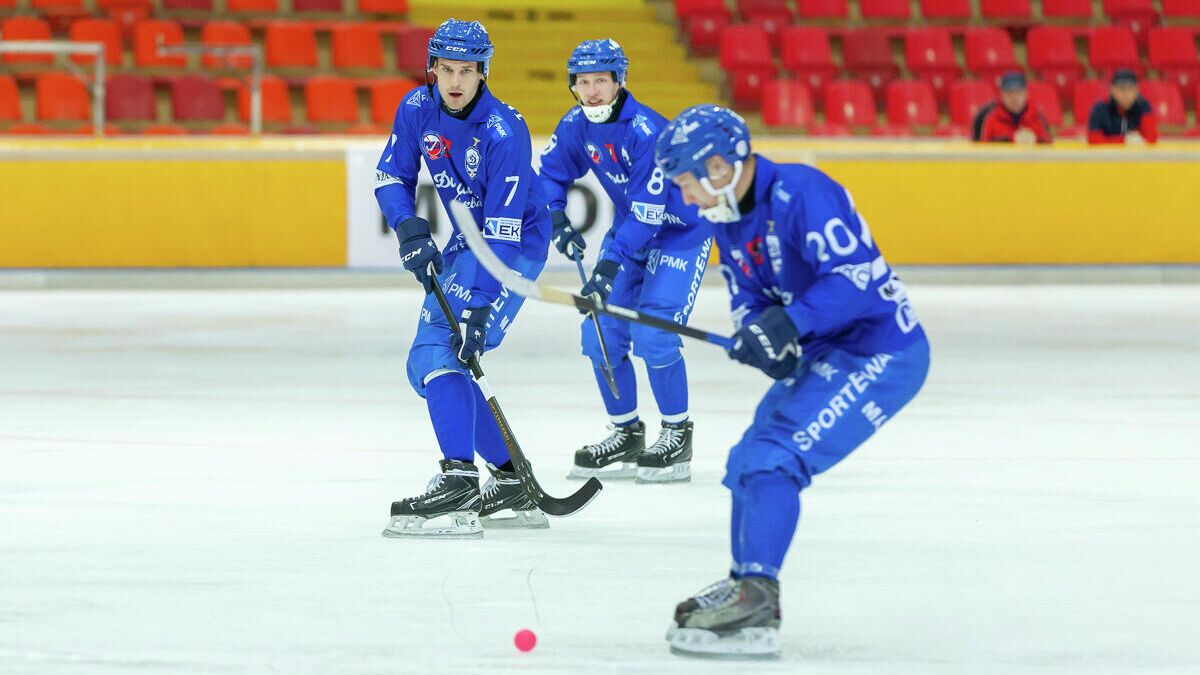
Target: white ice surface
x: 195, y: 482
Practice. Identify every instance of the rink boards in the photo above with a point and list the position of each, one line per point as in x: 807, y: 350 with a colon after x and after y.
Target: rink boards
x: 287, y: 202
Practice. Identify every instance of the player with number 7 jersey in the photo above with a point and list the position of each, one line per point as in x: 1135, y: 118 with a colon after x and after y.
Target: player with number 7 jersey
x: 652, y: 259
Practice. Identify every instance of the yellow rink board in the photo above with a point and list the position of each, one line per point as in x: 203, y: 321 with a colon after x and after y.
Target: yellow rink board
x: 166, y: 209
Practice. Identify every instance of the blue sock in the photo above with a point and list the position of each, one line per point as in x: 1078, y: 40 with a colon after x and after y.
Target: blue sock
x: 623, y: 409
x: 669, y: 384
x: 488, y: 441
x: 452, y: 410
x: 770, y: 511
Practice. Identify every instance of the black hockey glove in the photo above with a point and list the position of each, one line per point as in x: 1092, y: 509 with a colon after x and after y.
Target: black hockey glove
x: 418, y: 252
x: 600, y: 284
x: 770, y: 343
x: 471, y: 341
x: 565, y: 237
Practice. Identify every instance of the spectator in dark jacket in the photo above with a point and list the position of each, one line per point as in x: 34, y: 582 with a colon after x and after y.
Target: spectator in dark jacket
x: 1126, y: 117
x: 1012, y: 119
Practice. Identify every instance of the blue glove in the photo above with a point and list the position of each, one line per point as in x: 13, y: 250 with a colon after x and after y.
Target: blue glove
x: 600, y: 284
x: 770, y: 343
x: 565, y: 237
x: 471, y: 342
x: 418, y: 252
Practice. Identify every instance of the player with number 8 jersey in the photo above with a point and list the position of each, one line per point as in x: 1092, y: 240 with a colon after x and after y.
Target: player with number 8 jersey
x: 653, y: 259
x: 479, y: 153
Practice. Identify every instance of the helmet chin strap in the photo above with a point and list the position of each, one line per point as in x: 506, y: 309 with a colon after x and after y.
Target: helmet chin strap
x: 726, y: 209
x: 597, y: 114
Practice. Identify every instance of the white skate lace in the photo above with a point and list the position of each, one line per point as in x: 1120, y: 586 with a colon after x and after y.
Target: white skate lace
x: 492, y: 486
x: 614, y: 441
x: 436, y: 482
x: 717, y: 594
x: 669, y: 439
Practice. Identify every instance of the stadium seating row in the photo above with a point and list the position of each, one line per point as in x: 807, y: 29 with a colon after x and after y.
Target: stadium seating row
x: 287, y: 44
x: 386, y: 7
x: 930, y: 56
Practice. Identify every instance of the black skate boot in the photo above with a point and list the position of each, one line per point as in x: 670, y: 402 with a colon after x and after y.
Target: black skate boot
x: 621, y: 448
x: 733, y: 618
x: 505, y: 504
x: 452, y: 495
x: 669, y: 459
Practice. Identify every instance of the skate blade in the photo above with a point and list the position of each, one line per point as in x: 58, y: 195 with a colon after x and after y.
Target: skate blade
x: 532, y: 519
x: 676, y: 473
x: 747, y: 643
x: 457, y: 525
x: 627, y: 471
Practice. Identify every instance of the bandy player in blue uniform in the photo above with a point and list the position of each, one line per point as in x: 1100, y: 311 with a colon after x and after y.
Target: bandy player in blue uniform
x: 478, y: 151
x: 653, y: 259
x: 817, y: 309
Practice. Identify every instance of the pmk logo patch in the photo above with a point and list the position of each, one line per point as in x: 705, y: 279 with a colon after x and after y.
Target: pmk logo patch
x: 435, y: 145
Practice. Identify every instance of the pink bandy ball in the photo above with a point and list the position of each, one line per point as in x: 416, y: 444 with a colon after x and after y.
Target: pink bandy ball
x: 525, y: 640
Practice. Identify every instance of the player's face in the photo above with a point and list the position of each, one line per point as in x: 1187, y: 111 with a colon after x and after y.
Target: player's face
x: 1124, y: 95
x: 693, y: 192
x: 457, y: 81
x: 1014, y: 99
x: 596, y: 88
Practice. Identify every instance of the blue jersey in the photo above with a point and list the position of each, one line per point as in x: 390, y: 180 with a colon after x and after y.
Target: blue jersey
x: 621, y: 155
x: 805, y: 247
x: 482, y: 161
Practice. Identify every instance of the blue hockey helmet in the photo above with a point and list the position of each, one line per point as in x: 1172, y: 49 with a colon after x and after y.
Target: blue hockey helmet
x: 598, y: 56
x: 692, y: 138
x: 461, y: 41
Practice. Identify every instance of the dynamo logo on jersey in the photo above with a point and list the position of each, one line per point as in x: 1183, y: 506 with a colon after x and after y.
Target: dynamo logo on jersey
x: 504, y: 229
x: 651, y: 214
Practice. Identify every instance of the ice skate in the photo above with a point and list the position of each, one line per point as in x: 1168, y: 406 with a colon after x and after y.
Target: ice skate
x: 449, y: 507
x: 614, y: 457
x: 669, y: 459
x: 505, y: 504
x: 731, y: 619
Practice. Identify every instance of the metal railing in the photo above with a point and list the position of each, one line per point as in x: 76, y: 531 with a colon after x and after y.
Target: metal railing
x: 55, y: 47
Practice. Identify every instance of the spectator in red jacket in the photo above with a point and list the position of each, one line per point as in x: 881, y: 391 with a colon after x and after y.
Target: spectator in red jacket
x: 1126, y: 117
x: 1012, y: 119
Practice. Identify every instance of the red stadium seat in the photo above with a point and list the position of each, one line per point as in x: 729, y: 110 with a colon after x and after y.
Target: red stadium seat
x: 787, y: 103
x: 195, y: 5
x: 26, y: 130
x: 1051, y: 53
x: 966, y: 98
x: 331, y: 100
x: 746, y: 86
x: 98, y: 30
x: 1167, y: 103
x: 10, y: 99
x: 1173, y: 55
x: 164, y: 130
x: 744, y: 46
x: 226, y: 33
x: 885, y: 10
x: 62, y: 97
x: 386, y: 96
x: 911, y: 103
x: 252, y: 6
x: 930, y: 57
x: 197, y: 98
x: 773, y: 16
x: 412, y: 49
x: 383, y: 6
x: 1139, y: 16
x: 957, y: 11
x: 867, y: 56
x: 129, y: 98
x: 1006, y: 11
x: 1181, y: 9
x: 1044, y: 97
x: 357, y: 45
x: 291, y: 45
x: 1112, y: 47
x: 229, y: 130
x: 146, y: 37
x: 51, y: 7
x: 687, y: 10
x: 989, y: 52
x: 1076, y: 10
x: 849, y: 103
x: 823, y: 9
x: 806, y: 52
x: 21, y: 28
x: 324, y: 6
x: 1087, y: 93
x: 276, y: 101
x: 704, y: 32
